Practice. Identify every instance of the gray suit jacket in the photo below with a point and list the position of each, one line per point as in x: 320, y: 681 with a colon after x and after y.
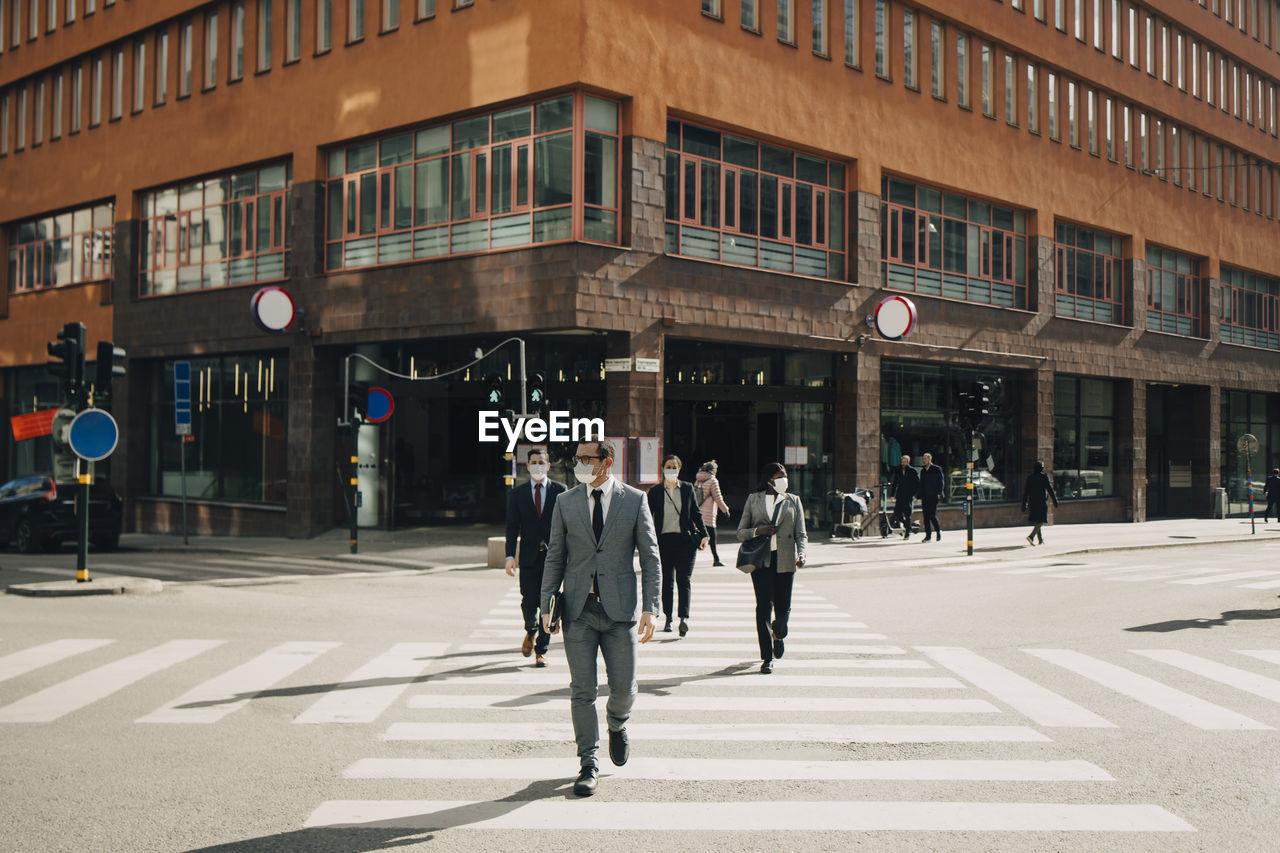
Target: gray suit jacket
x: 792, y: 537
x: 574, y: 556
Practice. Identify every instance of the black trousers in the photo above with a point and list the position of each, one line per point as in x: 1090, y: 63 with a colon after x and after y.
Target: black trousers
x: 902, y: 511
x: 773, y: 603
x: 711, y: 535
x: 677, y: 571
x: 1272, y: 510
x: 530, y: 600
x: 930, y: 510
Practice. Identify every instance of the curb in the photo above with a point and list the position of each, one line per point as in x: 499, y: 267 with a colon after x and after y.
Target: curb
x: 98, y: 586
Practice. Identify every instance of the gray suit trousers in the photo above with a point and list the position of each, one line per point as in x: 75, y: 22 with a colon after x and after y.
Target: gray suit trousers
x: 584, y: 638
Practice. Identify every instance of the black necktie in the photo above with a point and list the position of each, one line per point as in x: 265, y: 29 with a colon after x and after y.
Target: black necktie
x: 597, y: 515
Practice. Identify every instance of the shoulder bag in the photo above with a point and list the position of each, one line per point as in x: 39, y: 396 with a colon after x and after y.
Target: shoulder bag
x: 755, y: 552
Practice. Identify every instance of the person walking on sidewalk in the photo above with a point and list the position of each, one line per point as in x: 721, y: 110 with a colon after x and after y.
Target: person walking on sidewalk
x: 707, y: 486
x: 596, y: 530
x: 529, y: 510
x: 931, y: 487
x: 904, y: 485
x: 1036, y: 494
x: 1271, y: 489
x: 681, y: 535
x: 788, y: 539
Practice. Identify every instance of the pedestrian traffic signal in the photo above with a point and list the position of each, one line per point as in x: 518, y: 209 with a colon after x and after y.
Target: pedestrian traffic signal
x: 357, y: 401
x: 981, y: 400
x: 537, y: 391
x: 69, y: 367
x: 110, y: 365
x: 494, y: 396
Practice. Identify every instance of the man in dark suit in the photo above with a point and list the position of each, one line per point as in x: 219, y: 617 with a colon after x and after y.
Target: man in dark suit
x: 596, y: 530
x: 1272, y: 491
x: 529, y: 510
x: 931, y: 488
x: 905, y: 484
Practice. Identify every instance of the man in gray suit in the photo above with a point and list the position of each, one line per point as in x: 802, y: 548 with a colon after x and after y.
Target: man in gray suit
x: 596, y: 528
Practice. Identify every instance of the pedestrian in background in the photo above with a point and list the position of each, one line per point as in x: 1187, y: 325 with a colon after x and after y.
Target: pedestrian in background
x: 529, y: 510
x: 1271, y: 489
x: 787, y: 539
x: 904, y: 486
x: 1036, y: 494
x: 707, y: 485
x: 681, y: 534
x: 931, y: 488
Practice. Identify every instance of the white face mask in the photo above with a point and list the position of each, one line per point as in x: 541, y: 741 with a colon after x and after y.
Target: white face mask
x: 585, y: 472
x: 780, y: 485
x: 672, y: 474
x: 538, y: 470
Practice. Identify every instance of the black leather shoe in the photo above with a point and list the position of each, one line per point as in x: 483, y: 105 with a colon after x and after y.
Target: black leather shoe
x: 667, y: 627
x: 717, y: 563
x: 585, y: 785
x: 619, y: 747
x: 779, y: 647
x: 766, y: 667
x: 684, y: 627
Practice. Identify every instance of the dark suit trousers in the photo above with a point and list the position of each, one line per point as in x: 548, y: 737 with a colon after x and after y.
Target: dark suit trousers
x: 902, y: 512
x: 773, y: 603
x: 677, y: 571
x: 530, y: 598
x: 930, y: 510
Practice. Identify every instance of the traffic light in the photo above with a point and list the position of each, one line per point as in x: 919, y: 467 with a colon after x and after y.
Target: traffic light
x: 69, y: 367
x: 494, y: 396
x: 110, y: 365
x: 357, y: 401
x: 981, y: 400
x: 537, y: 392
x: 964, y: 409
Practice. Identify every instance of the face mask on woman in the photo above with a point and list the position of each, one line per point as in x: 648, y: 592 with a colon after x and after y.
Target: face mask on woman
x: 671, y: 474
x: 780, y: 485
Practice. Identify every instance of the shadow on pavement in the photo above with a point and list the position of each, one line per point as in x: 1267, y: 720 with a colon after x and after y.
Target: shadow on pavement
x: 1203, y: 622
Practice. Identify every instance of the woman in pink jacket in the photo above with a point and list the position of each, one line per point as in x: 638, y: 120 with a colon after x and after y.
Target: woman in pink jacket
x: 707, y: 488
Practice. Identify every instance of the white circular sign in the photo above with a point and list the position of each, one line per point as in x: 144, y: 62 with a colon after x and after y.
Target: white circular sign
x: 895, y: 317
x: 273, y: 309
x: 1247, y: 443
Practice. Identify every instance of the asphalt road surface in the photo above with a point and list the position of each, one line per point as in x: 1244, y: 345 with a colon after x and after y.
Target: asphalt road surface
x: 1121, y: 701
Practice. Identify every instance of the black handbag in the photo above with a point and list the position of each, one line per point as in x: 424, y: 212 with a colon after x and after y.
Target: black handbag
x: 756, y: 551
x: 555, y: 611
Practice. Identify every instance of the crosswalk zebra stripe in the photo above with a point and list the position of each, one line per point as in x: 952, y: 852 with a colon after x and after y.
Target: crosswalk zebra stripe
x: 213, y: 700
x: 370, y: 689
x: 798, y: 636
x: 696, y: 646
x: 1260, y: 585
x: 770, y: 732
x: 1158, y: 576
x: 547, y: 677
x: 735, y: 769
x: 22, y: 662
x: 748, y: 704
x: 75, y: 693
x: 654, y: 657
x: 1269, y: 655
x: 821, y: 816
x: 1039, y: 703
x: 1258, y: 685
x: 1234, y: 576
x: 1109, y: 570
x: 1148, y: 691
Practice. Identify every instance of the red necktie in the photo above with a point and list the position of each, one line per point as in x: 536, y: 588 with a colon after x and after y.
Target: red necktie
x: 537, y: 498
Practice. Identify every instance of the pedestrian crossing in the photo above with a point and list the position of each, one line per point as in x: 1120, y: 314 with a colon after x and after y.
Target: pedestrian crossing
x: 705, y: 718
x: 1065, y: 568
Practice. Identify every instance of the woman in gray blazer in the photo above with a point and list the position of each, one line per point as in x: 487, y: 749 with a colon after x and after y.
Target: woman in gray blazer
x: 773, y: 582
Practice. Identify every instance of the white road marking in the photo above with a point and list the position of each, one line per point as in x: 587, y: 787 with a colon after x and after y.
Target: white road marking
x: 696, y: 646
x: 19, y: 663
x: 1269, y: 655
x: 75, y: 693
x: 217, y: 697
x: 1235, y: 576
x: 770, y: 732
x: 372, y: 688
x: 734, y: 769
x: 1109, y: 570
x: 746, y: 704
x: 557, y: 679
x: 1184, y: 706
x: 1158, y: 576
x: 1260, y: 585
x: 1258, y: 685
x: 1039, y: 703
x: 821, y: 816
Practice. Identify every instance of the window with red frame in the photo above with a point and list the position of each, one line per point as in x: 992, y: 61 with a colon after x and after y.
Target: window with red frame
x: 478, y: 184
x: 1088, y: 279
x: 65, y: 248
x: 1177, y: 298
x: 1250, y: 309
x: 225, y: 230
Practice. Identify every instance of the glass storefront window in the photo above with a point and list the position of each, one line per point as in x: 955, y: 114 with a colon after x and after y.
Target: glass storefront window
x: 698, y: 363
x: 1256, y: 414
x: 1084, y: 437
x: 239, y: 418
x: 919, y: 404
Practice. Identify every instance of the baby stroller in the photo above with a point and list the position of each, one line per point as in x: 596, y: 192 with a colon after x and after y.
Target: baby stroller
x: 847, y: 509
x: 887, y: 520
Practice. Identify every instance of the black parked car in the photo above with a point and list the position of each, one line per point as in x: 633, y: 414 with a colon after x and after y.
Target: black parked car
x: 37, y: 513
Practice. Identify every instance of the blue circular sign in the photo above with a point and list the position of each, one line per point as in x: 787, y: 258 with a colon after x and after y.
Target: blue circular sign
x: 379, y: 406
x: 93, y: 435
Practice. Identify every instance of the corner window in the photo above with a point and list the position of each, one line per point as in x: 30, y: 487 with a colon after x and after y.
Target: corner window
x: 66, y: 248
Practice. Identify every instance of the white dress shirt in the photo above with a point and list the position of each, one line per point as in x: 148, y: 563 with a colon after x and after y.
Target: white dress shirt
x: 770, y: 501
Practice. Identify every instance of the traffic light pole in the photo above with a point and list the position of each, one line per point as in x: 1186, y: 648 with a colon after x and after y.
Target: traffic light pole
x: 968, y: 504
x: 82, y: 522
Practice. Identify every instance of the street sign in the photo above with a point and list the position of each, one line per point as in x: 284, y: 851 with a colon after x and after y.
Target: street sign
x: 32, y: 424
x: 1247, y: 443
x: 182, y: 397
x: 93, y: 435
x: 895, y: 317
x: 273, y: 309
x: 380, y: 405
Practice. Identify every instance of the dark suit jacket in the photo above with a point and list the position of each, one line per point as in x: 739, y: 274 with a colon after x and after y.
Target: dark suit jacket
x: 523, y: 521
x: 1272, y: 489
x: 690, y: 519
x: 905, y: 483
x: 931, y: 484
